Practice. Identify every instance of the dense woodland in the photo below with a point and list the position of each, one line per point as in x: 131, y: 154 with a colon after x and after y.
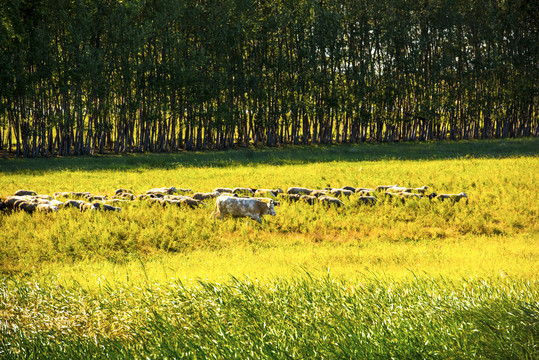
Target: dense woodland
x: 95, y: 76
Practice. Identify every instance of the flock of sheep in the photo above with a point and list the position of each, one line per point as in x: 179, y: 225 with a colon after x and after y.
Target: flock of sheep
x: 29, y: 201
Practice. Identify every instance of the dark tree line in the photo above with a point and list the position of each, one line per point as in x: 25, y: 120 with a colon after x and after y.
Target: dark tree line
x: 90, y: 76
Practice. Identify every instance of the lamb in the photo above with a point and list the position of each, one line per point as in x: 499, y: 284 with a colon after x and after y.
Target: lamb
x: 328, y: 200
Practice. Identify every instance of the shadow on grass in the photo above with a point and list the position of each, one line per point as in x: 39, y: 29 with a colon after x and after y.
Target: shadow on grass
x: 282, y: 155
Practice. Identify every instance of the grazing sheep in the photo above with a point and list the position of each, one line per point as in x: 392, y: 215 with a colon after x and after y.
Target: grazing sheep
x: 205, y: 196
x: 367, y: 200
x: 25, y: 192
x: 81, y: 205
x: 223, y: 190
x: 311, y: 200
x: 289, y: 197
x: 453, y: 197
x: 164, y: 190
x: 341, y: 192
x: 85, y: 206
x: 125, y: 196
x: 47, y: 208
x: 73, y: 203
x: 299, y: 191
x: 243, y: 191
x: 319, y: 193
x: 12, y: 202
x: 105, y: 207
x: 146, y: 196
x: 192, y: 203
x: 58, y: 204
x: 398, y: 189
x: 365, y: 192
x: 3, y: 205
x: 409, y: 195
x: 61, y: 194
x: 123, y: 191
x: 384, y: 187
x: 328, y: 200
x: 27, y: 206
x: 91, y: 197
x: 350, y: 188
x: 80, y: 194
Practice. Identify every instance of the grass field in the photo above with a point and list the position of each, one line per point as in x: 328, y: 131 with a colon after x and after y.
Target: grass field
x: 421, y: 279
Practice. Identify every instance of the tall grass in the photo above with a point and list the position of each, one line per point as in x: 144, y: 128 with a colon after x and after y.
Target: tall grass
x: 296, y: 318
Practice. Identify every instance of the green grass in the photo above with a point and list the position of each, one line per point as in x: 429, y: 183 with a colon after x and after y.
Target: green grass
x: 416, y: 280
x: 301, y: 318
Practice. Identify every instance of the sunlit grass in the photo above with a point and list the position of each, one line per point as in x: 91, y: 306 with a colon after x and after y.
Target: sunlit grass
x: 421, y: 279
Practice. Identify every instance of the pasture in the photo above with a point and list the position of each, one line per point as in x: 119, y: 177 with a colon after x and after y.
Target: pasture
x: 417, y: 279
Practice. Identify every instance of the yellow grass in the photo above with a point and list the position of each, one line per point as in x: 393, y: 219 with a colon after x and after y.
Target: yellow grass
x: 494, y: 235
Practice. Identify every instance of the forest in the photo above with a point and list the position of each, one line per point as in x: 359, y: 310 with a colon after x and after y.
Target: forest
x: 114, y: 76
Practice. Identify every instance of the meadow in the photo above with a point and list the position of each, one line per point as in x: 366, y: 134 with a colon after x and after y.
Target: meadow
x: 421, y: 279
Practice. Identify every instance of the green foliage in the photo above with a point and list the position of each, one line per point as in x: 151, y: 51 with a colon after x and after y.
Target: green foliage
x: 79, y: 78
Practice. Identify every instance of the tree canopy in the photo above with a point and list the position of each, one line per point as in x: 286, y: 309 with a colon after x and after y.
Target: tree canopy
x: 91, y: 76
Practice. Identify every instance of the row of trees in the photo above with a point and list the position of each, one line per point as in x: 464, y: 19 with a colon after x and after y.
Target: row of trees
x: 78, y: 77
